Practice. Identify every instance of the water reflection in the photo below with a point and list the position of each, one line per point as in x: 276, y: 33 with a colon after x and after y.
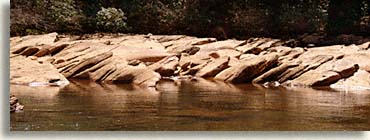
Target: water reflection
x: 188, y: 105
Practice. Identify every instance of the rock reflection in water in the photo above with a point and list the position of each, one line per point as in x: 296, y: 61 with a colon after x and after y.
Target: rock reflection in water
x: 189, y: 105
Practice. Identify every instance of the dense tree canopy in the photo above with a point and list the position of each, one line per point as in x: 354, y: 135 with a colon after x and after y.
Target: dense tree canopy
x: 237, y: 18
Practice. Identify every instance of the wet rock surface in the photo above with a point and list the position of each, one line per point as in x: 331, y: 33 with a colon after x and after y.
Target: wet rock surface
x: 145, y: 59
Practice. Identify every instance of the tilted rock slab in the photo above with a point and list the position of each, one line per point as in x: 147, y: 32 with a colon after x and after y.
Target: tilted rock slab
x: 246, y: 71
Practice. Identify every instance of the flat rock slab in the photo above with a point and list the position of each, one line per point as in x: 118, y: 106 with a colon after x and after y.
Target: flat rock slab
x: 359, y: 81
x: 29, y: 72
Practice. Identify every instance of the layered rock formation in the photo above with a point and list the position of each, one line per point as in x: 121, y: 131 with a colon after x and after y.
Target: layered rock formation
x: 145, y: 59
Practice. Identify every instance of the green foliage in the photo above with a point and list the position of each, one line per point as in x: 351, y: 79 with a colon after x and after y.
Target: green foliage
x: 111, y: 19
x: 62, y: 11
x: 239, y: 18
x: 62, y: 14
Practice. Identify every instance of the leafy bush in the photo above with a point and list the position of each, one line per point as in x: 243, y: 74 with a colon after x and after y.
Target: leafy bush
x: 60, y: 15
x: 111, y: 19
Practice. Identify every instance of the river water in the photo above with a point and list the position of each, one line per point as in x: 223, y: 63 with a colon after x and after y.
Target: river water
x: 188, y: 105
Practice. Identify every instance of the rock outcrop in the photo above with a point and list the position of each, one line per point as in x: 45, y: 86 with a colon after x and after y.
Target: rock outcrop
x: 145, y: 59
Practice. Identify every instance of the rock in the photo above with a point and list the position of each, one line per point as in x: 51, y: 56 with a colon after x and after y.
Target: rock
x: 13, y: 100
x: 138, y: 75
x: 344, y: 67
x: 40, y: 50
x: 219, y: 45
x: 15, y: 40
x: 143, y: 59
x: 192, y: 70
x: 144, y: 54
x: 315, y: 78
x: 272, y: 74
x: 139, y: 41
x: 30, y: 72
x: 134, y: 62
x: 84, y: 64
x: 248, y: 70
x: 308, y: 63
x: 288, y: 54
x: 247, y: 56
x: 361, y: 58
x: 117, y: 72
x: 178, y: 46
x: 213, y: 67
x: 191, y: 51
x: 226, y: 52
x: 326, y: 74
x: 365, y: 46
x: 359, y: 81
x: 167, y: 38
x: 15, y: 106
x: 33, y: 40
x: 167, y: 66
x: 251, y: 45
x: 187, y: 61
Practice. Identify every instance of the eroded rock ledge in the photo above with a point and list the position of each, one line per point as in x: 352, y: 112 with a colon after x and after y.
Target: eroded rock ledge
x: 145, y: 59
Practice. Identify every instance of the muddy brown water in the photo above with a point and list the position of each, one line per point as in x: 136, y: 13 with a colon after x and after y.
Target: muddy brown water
x: 188, y: 105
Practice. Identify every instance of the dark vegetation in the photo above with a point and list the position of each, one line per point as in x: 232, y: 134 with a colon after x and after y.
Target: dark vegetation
x: 203, y: 18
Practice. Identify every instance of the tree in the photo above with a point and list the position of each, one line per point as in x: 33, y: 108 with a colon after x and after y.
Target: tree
x: 344, y: 16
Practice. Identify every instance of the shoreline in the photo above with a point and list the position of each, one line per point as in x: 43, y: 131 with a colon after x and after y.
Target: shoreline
x: 51, y: 59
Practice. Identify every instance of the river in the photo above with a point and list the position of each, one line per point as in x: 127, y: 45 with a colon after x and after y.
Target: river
x: 188, y: 105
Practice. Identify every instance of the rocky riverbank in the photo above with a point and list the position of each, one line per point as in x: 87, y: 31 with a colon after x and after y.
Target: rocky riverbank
x: 143, y: 60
